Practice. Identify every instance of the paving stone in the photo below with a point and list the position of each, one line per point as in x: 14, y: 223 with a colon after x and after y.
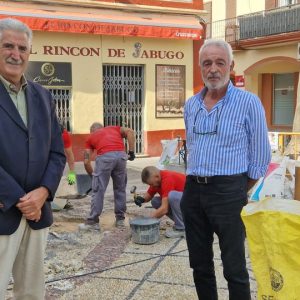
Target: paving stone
x: 108, y: 265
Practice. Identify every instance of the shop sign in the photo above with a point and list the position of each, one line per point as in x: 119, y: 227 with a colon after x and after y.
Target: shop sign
x: 50, y: 73
x: 157, y: 54
x: 170, y: 91
x: 138, y: 52
x: 68, y: 51
x: 160, y: 54
x: 239, y: 81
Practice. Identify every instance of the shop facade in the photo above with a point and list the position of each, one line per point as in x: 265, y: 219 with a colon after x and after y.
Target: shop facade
x: 135, y: 71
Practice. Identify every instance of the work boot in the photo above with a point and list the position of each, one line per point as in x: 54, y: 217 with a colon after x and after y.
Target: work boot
x: 174, y: 233
x: 120, y: 223
x: 89, y: 226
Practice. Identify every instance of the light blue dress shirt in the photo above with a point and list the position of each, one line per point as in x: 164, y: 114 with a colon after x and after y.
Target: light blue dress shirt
x: 232, y: 138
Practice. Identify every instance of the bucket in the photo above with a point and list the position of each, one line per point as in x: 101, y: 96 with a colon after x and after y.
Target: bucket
x: 83, y: 183
x: 144, y: 231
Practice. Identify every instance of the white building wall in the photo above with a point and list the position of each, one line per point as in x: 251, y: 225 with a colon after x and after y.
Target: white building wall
x: 218, y: 10
x: 244, y: 7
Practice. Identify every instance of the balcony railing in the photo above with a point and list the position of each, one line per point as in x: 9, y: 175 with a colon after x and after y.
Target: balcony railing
x: 261, y: 24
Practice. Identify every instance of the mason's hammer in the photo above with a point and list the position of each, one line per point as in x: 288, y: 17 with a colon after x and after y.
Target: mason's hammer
x: 133, y: 191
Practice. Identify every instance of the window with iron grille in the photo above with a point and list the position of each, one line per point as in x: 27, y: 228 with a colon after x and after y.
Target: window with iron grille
x: 62, y: 99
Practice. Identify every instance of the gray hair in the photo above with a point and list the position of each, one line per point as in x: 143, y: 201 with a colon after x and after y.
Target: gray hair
x: 15, y: 25
x: 218, y: 43
x: 95, y: 126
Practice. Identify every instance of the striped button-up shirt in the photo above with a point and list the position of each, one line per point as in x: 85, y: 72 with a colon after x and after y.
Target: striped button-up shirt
x: 231, y: 138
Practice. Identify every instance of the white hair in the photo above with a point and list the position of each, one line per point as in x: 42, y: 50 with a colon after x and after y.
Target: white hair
x: 218, y: 43
x: 15, y: 25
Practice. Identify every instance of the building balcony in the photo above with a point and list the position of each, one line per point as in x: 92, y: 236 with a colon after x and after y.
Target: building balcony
x: 260, y: 28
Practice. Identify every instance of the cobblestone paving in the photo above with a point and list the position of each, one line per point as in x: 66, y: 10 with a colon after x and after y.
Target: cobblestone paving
x: 109, y: 266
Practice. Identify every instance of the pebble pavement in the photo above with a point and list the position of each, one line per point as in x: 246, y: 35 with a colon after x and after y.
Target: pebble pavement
x: 109, y: 265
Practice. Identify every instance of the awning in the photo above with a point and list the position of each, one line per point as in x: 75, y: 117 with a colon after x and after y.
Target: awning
x: 108, y: 22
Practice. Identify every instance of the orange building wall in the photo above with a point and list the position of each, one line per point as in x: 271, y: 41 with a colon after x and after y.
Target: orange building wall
x: 78, y: 145
x: 198, y: 82
x: 152, y: 143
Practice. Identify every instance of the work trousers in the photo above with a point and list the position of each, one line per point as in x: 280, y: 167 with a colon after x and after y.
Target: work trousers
x: 174, y: 213
x: 22, y: 255
x: 110, y: 164
x: 211, y: 208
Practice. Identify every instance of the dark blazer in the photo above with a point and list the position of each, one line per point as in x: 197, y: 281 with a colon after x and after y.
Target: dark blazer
x: 29, y: 157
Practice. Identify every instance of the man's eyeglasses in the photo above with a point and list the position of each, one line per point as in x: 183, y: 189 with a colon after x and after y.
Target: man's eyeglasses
x: 215, y: 131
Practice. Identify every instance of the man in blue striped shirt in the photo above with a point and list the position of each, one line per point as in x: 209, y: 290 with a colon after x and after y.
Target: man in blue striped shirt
x: 228, y: 150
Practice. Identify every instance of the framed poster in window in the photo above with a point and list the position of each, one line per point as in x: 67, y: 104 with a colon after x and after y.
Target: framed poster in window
x: 170, y: 91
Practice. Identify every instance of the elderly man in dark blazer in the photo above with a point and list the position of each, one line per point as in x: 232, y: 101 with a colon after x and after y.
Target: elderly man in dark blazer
x: 31, y: 164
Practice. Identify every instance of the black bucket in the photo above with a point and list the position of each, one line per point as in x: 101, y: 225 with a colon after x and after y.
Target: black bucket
x: 83, y: 183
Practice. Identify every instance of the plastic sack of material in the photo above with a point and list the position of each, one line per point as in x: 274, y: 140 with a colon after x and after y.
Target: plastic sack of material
x: 169, y: 151
x: 273, y: 234
x: 272, y: 185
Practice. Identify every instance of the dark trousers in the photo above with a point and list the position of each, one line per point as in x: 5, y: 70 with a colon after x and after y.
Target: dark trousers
x: 215, y: 208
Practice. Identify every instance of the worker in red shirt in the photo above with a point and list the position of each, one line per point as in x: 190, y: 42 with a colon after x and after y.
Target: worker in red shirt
x: 111, y: 161
x: 169, y: 185
x: 69, y: 155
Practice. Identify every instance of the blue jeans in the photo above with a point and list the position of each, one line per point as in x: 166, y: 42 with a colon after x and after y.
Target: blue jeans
x: 215, y: 208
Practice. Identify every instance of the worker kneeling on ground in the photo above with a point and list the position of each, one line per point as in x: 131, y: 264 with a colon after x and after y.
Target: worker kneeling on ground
x: 169, y: 185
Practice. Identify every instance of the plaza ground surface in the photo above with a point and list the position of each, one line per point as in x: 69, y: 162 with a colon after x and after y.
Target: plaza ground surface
x: 109, y: 265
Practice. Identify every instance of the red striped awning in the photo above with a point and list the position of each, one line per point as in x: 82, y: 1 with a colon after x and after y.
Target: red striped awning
x: 108, y: 22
